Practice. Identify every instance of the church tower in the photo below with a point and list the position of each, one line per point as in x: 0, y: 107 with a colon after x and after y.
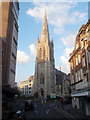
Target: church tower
x: 44, y: 66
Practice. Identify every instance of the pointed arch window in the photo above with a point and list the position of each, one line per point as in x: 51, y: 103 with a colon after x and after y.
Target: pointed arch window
x: 41, y: 78
x: 44, y: 52
x: 40, y: 52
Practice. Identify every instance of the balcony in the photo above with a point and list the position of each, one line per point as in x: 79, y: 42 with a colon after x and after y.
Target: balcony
x: 82, y: 85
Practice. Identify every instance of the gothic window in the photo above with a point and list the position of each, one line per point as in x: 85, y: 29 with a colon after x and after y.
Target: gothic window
x: 44, y: 52
x: 40, y: 52
x: 41, y: 78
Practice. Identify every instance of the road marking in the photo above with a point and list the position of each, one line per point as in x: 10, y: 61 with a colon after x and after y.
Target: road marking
x: 65, y: 113
x: 35, y: 105
x: 47, y: 111
x: 36, y: 111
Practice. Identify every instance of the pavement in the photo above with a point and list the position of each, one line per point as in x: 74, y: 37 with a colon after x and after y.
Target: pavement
x: 71, y: 112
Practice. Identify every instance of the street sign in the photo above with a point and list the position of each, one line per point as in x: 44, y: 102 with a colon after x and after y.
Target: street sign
x: 53, y: 95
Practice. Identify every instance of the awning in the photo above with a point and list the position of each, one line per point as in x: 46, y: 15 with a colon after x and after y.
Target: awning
x: 86, y: 93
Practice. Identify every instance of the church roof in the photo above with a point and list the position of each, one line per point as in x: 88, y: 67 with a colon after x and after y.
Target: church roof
x: 60, y: 77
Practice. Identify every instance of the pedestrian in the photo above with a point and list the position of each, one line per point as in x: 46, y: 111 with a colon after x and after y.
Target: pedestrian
x: 42, y: 101
x: 45, y: 98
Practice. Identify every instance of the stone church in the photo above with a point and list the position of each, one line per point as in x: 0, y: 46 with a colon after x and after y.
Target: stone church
x: 44, y: 82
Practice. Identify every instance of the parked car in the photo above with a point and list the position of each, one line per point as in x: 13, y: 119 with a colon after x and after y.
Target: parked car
x: 65, y: 101
x: 29, y: 105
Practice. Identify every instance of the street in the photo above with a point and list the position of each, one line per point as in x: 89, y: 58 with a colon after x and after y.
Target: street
x: 51, y: 109
x: 44, y: 111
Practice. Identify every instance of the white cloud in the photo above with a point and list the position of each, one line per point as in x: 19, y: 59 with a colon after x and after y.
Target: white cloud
x: 22, y: 57
x: 59, y: 14
x: 73, y: 1
x: 67, y: 52
x: 65, y: 64
x: 64, y: 60
x: 32, y: 49
x: 69, y: 40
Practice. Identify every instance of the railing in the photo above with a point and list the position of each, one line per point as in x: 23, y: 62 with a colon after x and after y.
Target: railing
x: 82, y: 85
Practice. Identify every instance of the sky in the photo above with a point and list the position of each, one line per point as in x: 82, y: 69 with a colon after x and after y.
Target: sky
x: 64, y: 21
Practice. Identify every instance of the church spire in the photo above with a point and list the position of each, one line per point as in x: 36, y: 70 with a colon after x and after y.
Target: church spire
x: 45, y: 31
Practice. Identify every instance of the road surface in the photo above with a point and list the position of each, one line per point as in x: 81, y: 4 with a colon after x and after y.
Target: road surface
x: 44, y: 111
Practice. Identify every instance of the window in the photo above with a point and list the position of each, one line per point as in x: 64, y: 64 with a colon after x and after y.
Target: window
x: 82, y: 43
x: 83, y: 61
x: 85, y: 42
x: 26, y: 86
x: 2, y: 53
x: 81, y: 74
x: 13, y: 56
x: 85, y: 78
x: 15, y: 10
x: 71, y: 65
x: 29, y: 80
x: 41, y: 78
x: 76, y: 77
x: 76, y: 60
x: 43, y: 52
x: 77, y: 45
x: 72, y: 78
x: 79, y: 59
x: 89, y: 56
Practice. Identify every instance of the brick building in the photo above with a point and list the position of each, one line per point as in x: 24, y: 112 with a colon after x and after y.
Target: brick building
x: 80, y: 70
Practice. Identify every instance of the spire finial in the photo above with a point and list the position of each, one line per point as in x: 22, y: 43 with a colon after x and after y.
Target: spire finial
x: 45, y: 32
x: 45, y: 12
x: 45, y: 16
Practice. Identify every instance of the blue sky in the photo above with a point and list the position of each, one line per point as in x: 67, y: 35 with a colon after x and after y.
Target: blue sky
x: 64, y: 20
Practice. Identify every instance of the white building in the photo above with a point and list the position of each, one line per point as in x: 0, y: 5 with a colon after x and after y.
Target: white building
x: 26, y: 87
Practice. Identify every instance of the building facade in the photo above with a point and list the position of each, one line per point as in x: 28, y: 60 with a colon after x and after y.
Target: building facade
x: 63, y: 87
x: 9, y: 36
x: 44, y: 67
x: 66, y: 86
x: 80, y: 70
x: 26, y: 87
